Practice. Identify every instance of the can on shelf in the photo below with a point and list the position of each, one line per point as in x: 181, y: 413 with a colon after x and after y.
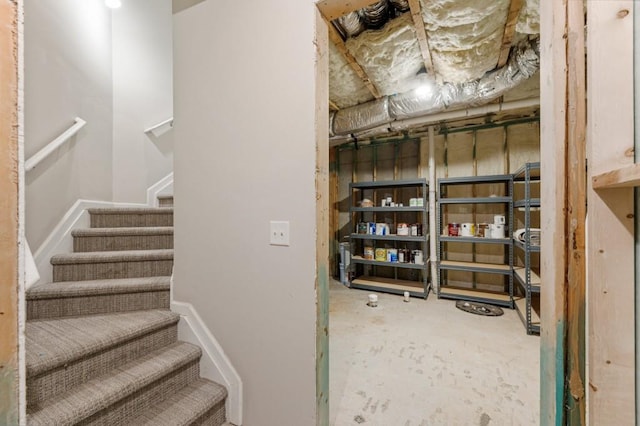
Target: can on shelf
x: 362, y: 228
x: 454, y: 229
x: 416, y: 229
x: 368, y: 253
x: 392, y: 255
x: 404, y: 255
x: 381, y: 254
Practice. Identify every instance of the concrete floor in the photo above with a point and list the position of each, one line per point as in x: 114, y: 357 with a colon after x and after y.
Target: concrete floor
x: 428, y: 363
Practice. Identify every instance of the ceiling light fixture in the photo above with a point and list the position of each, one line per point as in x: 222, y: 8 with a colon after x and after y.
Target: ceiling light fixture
x: 113, y: 4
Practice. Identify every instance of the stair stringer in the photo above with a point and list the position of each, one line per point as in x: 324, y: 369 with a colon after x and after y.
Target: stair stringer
x: 214, y: 363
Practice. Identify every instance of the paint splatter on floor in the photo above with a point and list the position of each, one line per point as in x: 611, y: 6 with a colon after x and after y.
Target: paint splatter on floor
x: 429, y: 364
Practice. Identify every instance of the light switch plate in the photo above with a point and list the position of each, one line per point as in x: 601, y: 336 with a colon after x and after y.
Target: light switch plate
x: 279, y: 233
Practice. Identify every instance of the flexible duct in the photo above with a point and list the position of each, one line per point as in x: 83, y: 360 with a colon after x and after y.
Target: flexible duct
x: 376, y: 15
x: 351, y: 24
x: 523, y: 63
x: 400, y: 5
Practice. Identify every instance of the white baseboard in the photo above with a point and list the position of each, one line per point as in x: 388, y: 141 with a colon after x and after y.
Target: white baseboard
x: 60, y: 240
x: 163, y: 187
x: 214, y: 364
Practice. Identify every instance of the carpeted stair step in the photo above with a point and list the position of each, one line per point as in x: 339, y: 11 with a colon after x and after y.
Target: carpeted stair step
x: 132, y: 216
x: 165, y: 200
x: 62, y: 353
x: 73, y: 298
x: 116, y: 398
x: 200, y: 403
x: 112, y: 239
x: 112, y: 264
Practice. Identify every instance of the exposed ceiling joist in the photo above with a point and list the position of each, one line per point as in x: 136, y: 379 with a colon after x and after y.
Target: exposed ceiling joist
x: 509, y: 31
x: 421, y: 34
x: 336, y: 39
x: 333, y: 9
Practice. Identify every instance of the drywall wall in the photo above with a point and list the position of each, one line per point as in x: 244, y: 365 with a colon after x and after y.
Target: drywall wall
x: 142, y: 96
x: 67, y: 74
x: 9, y: 399
x: 238, y: 166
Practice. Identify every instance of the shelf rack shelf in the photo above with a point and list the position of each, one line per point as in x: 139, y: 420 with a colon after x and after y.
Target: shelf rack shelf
x: 503, y: 202
x: 528, y: 280
x: 389, y: 276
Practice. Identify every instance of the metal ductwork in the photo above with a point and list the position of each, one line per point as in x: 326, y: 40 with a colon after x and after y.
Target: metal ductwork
x: 371, y: 17
x: 380, y: 114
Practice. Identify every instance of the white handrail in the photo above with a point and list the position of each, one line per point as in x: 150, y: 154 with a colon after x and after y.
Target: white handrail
x: 168, y: 121
x: 32, y: 162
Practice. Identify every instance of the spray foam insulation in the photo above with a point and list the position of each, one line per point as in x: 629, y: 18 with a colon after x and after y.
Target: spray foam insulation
x: 464, y: 38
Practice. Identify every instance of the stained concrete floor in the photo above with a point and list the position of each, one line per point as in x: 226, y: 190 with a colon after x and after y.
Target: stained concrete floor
x: 428, y: 363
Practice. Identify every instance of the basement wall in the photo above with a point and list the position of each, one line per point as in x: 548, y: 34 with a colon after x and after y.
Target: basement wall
x: 498, y: 151
x: 142, y: 96
x: 67, y: 75
x: 240, y: 163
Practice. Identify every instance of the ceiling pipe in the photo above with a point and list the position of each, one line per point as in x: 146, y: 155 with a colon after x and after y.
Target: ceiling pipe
x: 399, y: 125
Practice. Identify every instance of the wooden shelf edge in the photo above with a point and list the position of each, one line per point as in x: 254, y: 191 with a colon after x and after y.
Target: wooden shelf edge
x: 399, y: 286
x: 623, y: 177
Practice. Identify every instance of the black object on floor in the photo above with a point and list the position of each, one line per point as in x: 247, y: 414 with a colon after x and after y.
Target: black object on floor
x: 479, y: 308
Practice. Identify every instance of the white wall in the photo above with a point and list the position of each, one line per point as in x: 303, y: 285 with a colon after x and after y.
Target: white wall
x: 67, y: 74
x: 244, y: 108
x: 142, y: 96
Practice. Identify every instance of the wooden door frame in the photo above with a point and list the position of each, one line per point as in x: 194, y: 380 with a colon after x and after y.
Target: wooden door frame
x: 11, y: 218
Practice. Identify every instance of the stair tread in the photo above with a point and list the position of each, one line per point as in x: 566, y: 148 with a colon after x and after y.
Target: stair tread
x: 185, y: 406
x: 112, y: 256
x: 125, y: 231
x: 131, y: 210
x: 51, y: 343
x: 93, y: 396
x: 165, y: 197
x: 97, y: 287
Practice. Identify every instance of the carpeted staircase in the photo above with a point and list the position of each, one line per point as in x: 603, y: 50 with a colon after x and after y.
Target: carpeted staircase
x: 101, y: 342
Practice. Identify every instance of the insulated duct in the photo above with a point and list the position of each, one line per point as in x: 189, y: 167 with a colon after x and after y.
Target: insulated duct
x: 523, y: 62
x: 351, y: 24
x: 376, y: 15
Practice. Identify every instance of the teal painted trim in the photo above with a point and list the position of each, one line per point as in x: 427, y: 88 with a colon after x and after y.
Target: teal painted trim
x: 8, y: 396
x: 322, y: 346
x: 552, y: 383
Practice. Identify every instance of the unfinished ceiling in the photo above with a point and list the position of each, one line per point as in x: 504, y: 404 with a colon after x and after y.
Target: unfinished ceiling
x: 383, y: 51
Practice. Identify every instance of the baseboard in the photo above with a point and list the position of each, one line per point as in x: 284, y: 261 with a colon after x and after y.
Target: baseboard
x: 214, y: 364
x: 60, y: 240
x: 163, y: 187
